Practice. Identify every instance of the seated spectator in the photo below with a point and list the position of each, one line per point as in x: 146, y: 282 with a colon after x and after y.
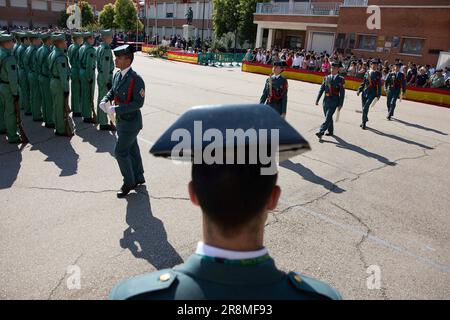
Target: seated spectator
x: 326, y: 65
x: 411, y: 74
x: 290, y: 60
x: 296, y: 64
x: 306, y: 62
x: 446, y: 73
x: 437, y: 80
x: 361, y: 70
x: 422, y: 78
x: 352, y: 69
x: 248, y: 56
x: 312, y: 64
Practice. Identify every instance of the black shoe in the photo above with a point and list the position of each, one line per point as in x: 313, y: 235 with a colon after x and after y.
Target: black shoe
x: 38, y: 120
x: 106, y: 127
x: 389, y: 118
x: 2, y: 132
x: 88, y: 120
x: 319, y: 135
x: 329, y: 134
x: 50, y: 125
x: 124, y: 191
x: 77, y: 114
x: 363, y: 125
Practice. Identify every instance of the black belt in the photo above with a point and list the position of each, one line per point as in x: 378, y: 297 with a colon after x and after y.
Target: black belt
x: 45, y: 76
x: 56, y: 78
x: 5, y: 82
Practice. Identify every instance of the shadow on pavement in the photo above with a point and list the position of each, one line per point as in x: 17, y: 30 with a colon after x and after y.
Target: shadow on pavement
x: 341, y: 143
x: 418, y: 126
x: 10, y: 165
x: 104, y: 141
x: 392, y: 136
x: 146, y: 237
x: 310, y: 176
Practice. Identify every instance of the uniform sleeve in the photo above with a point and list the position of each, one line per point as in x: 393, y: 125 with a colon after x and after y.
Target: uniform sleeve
x: 341, y: 93
x: 403, y: 84
x: 265, y: 93
x: 63, y: 71
x: 387, y: 82
x: 284, y: 99
x: 321, y: 91
x: 362, y: 85
x: 110, y: 95
x: 138, y: 98
x: 11, y: 67
x: 108, y: 67
x: 90, y: 64
x: 380, y: 87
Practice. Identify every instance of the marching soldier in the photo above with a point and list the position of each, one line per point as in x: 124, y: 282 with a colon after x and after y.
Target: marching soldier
x: 30, y: 64
x: 9, y: 89
x: 75, y: 85
x: 231, y: 262
x: 334, y: 87
x: 105, y: 68
x: 395, y: 87
x: 87, y: 78
x: 276, y: 89
x: 44, y: 79
x: 371, y: 89
x: 128, y: 95
x: 59, y: 84
x: 24, y: 87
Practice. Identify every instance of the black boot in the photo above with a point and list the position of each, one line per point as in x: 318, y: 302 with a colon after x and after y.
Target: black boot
x: 124, y: 191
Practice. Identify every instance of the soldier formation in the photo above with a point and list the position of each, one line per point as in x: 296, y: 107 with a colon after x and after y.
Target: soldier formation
x: 38, y: 73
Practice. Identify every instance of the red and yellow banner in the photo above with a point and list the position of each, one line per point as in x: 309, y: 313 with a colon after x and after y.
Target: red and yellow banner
x: 183, y: 57
x: 147, y: 47
x: 436, y: 97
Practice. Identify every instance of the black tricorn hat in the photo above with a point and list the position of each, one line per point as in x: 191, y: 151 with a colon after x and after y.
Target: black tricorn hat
x: 241, y: 118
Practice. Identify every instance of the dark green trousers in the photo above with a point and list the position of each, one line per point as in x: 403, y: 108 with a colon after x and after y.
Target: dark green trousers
x: 129, y: 158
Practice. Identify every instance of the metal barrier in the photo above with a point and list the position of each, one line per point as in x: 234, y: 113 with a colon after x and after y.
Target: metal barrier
x: 220, y: 59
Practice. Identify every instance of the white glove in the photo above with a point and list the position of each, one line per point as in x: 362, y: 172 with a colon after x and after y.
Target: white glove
x: 103, y: 106
x: 112, y: 109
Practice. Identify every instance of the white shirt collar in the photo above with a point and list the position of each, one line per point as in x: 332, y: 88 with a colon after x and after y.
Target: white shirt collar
x: 210, y: 251
x: 124, y: 71
x: 276, y: 76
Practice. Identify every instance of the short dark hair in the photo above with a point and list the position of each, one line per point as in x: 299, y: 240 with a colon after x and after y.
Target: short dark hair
x: 129, y: 56
x: 232, y: 195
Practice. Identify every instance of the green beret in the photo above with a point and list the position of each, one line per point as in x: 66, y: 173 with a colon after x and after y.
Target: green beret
x: 6, y: 37
x: 106, y: 33
x: 58, y: 36
x: 88, y: 34
x: 45, y: 35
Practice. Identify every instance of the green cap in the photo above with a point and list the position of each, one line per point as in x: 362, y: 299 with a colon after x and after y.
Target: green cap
x: 58, y: 36
x: 33, y: 35
x: 23, y: 34
x: 6, y: 37
x: 77, y: 34
x: 88, y: 34
x: 45, y: 35
x: 106, y: 33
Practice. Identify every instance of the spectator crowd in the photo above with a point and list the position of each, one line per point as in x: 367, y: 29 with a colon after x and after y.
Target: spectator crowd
x: 421, y: 76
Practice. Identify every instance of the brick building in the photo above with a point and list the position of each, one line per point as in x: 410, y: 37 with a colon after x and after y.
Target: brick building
x: 168, y: 17
x: 411, y: 30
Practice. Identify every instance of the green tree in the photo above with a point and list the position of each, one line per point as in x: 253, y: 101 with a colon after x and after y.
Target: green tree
x: 126, y: 15
x: 62, y: 19
x: 87, y: 14
x: 247, y: 29
x: 106, y: 17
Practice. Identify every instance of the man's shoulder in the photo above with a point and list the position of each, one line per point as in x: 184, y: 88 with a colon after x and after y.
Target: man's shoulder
x: 144, y: 284
x: 313, y: 286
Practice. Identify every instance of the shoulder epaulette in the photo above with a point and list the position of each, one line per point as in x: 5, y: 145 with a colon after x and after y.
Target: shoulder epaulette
x: 313, y: 286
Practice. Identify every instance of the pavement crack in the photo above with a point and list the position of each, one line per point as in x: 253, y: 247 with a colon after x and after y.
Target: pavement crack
x: 67, y: 190
x: 60, y: 281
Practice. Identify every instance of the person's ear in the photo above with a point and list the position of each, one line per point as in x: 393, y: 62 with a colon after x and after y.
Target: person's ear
x: 192, y: 195
x: 274, y: 197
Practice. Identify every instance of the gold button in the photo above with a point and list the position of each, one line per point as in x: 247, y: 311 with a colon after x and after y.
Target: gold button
x: 297, y: 278
x: 164, y: 277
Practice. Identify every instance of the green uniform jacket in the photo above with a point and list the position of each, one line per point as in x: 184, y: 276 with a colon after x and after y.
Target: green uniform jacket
x: 42, y: 60
x: 334, y: 89
x: 74, y: 58
x: 395, y: 81
x: 28, y: 59
x: 129, y: 99
x: 87, y: 61
x: 200, y: 279
x: 8, y: 71
x: 21, y: 55
x: 277, y: 97
x: 371, y: 85
x: 105, y: 64
x: 59, y: 68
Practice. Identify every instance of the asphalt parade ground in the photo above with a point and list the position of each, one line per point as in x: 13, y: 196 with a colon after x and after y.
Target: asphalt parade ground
x: 366, y: 211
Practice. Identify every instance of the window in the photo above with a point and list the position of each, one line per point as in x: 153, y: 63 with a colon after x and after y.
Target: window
x: 366, y: 42
x: 412, y: 46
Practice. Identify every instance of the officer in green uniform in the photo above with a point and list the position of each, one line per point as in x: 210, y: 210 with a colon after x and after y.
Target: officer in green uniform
x: 59, y: 81
x: 371, y: 89
x: 334, y: 88
x: 16, y: 44
x: 44, y: 79
x: 276, y: 89
x: 9, y: 89
x: 128, y: 95
x: 87, y: 77
x: 394, y: 85
x: 31, y: 65
x: 75, y: 85
x: 231, y: 262
x: 105, y: 69
x: 24, y: 87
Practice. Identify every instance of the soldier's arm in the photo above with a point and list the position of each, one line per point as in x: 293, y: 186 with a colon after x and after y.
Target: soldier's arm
x: 404, y: 84
x: 265, y: 93
x: 90, y: 65
x: 362, y: 85
x: 11, y: 67
x: 380, y: 87
x: 321, y: 91
x: 63, y: 72
x: 387, y: 82
x: 284, y: 99
x: 138, y: 98
x: 341, y: 94
x: 110, y: 95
